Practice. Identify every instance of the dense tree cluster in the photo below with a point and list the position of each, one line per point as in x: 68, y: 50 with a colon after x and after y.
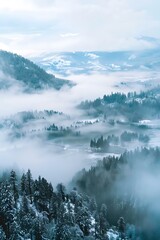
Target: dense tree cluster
x: 27, y: 73
x: 53, y: 131
x: 104, y: 143
x: 31, y: 209
x: 131, y: 136
x: 120, y: 183
x: 100, y: 143
x: 18, y: 124
x: 18, y: 120
x: 133, y: 107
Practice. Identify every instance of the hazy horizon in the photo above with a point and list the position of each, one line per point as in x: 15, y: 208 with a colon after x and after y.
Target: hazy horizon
x: 38, y: 26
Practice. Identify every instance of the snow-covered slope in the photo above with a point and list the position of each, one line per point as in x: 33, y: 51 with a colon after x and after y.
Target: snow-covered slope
x: 68, y: 63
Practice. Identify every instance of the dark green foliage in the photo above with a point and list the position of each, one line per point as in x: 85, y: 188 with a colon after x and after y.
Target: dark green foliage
x: 18, y: 124
x: 103, y: 220
x: 143, y: 138
x: 121, y: 227
x: 99, y: 143
x: 115, y: 181
x: 131, y: 136
x: 103, y: 143
x: 93, y: 205
x: 29, y: 186
x: 2, y: 234
x: 128, y: 136
x: 28, y: 74
x: 132, y: 107
x: 112, y: 140
x: 14, y: 187
x: 115, y: 97
x: 31, y: 209
x: 53, y: 131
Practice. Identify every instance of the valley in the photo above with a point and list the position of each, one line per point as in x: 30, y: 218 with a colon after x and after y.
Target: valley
x: 68, y: 137
x: 79, y: 120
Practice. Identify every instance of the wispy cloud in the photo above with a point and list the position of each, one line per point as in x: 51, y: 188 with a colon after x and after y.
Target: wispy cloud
x: 78, y: 25
x: 66, y: 35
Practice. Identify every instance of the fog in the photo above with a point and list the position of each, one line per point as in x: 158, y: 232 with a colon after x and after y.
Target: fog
x: 88, y: 87
x: 59, y: 159
x: 129, y: 189
x: 142, y: 184
x: 52, y: 159
x: 52, y: 162
x: 142, y: 181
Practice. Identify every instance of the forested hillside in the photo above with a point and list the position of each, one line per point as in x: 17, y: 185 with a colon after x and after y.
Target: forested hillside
x: 15, y: 70
x: 129, y: 186
x: 32, y: 209
x: 132, y: 107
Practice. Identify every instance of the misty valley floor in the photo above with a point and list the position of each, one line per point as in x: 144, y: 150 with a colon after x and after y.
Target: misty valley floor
x: 98, y: 138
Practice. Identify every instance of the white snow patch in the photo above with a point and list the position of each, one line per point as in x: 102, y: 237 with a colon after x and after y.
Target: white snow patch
x: 144, y: 121
x: 113, y: 235
x: 92, y: 55
x: 132, y: 57
x: 116, y: 67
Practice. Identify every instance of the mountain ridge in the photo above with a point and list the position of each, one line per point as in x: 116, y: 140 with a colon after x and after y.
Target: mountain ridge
x: 70, y: 63
x: 26, y: 73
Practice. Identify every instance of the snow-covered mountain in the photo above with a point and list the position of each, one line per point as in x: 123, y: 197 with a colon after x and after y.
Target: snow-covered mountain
x: 68, y: 63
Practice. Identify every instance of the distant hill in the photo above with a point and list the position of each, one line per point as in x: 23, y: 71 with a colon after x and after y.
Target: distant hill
x: 69, y: 63
x: 16, y: 69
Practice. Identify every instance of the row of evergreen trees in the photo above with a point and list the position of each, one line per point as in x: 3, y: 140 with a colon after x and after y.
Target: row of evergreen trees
x: 104, y: 143
x: 133, y: 107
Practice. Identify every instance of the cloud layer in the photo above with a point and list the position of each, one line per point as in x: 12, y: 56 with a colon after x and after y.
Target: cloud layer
x: 35, y: 26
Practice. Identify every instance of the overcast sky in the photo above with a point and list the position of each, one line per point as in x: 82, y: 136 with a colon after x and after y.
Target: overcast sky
x: 31, y: 27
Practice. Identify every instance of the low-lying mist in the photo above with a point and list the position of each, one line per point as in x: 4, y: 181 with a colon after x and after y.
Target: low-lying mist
x: 48, y: 158
x: 129, y: 186
x: 88, y: 87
